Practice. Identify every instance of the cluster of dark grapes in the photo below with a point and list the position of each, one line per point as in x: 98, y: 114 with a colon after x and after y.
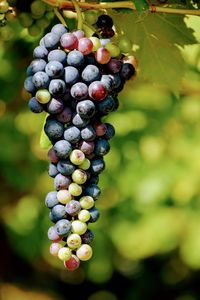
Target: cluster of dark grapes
x: 76, y: 81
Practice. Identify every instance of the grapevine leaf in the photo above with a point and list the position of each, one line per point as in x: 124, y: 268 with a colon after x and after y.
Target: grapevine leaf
x: 45, y: 143
x: 157, y: 37
x: 141, y: 6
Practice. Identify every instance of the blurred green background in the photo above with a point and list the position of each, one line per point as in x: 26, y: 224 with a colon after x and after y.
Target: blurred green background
x: 147, y: 241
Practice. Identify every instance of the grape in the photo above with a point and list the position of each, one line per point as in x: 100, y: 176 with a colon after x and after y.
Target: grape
x: 53, y: 171
x: 102, y: 55
x: 3, y: 6
x: 75, y: 58
x: 58, y: 212
x: 63, y: 227
x: 65, y: 167
x: 72, y: 134
x: 55, y: 106
x: 86, y: 109
x: 51, y: 199
x: 73, y: 207
x: 73, y: 263
x: 38, y: 8
x: 84, y: 252
x: 57, y: 55
x: 104, y: 21
x: 54, y: 69
x: 35, y: 106
x: 87, y: 237
x: 71, y: 75
x: 62, y: 149
x: 69, y: 41
x: 61, y: 182
x: 77, y: 88
x: 125, y: 45
x: 79, y: 91
x: 41, y: 80
x: 97, y: 91
x: 74, y: 241
x: 64, y: 253
x: 90, y: 74
x: 85, y: 46
x: 91, y: 16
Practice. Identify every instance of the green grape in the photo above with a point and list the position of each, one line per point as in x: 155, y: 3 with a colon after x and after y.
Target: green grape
x: 84, y: 215
x: 125, y: 45
x: 4, y: 6
x: 49, y: 8
x: 38, y: 8
x: 96, y: 43
x: 113, y: 49
x: 25, y: 19
x: 79, y: 227
x: 43, y: 96
x: 91, y: 16
x: 64, y: 253
x: 34, y: 30
x: 2, y: 17
x: 43, y: 22
x: 49, y: 15
x: 75, y: 189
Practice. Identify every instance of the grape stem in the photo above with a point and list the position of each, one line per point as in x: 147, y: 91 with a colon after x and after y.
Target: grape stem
x: 60, y: 17
x: 65, y: 4
x: 79, y: 14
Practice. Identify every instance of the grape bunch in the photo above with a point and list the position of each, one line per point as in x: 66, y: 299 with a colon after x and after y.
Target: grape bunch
x: 76, y: 81
x: 7, y: 12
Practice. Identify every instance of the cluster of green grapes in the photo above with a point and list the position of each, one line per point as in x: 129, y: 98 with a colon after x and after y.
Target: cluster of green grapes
x: 7, y: 13
x: 37, y: 18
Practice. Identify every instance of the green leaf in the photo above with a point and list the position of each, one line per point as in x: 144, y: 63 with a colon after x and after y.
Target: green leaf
x: 156, y: 38
x: 141, y: 6
x: 45, y: 143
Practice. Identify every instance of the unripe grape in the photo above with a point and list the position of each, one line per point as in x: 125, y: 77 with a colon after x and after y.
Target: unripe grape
x: 125, y: 45
x: 86, y: 202
x: 91, y: 16
x: 85, y: 165
x: 3, y: 7
x: 77, y: 157
x: 96, y: 43
x: 73, y: 263
x: 54, y: 248
x: 79, y: 227
x: 113, y: 49
x: 43, y: 96
x: 64, y: 196
x: 84, y: 252
x: 84, y: 215
x: 75, y: 189
x: 64, y: 253
x: 79, y: 176
x: 74, y: 241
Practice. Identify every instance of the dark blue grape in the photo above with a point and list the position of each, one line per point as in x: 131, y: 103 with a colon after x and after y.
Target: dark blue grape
x: 114, y: 66
x: 58, y: 212
x: 79, y: 122
x: 94, y: 214
x: 73, y: 207
x: 104, y: 21
x: 116, y: 81
x: 35, y: 106
x: 55, y: 106
x: 87, y: 237
x: 65, y: 167
x: 53, y: 171
x: 65, y: 116
x: 37, y: 65
x: 110, y: 131
x: 97, y: 165
x: 102, y: 147
x: 51, y: 199
x: 108, y: 82
x: 72, y: 134
x: 54, y: 69
x: 61, y: 182
x: 93, y: 191
x: 40, y: 52
x: 53, y: 129
x: 59, y: 29
x: 79, y: 91
x: 75, y: 58
x: 51, y: 40
x: 88, y: 133
x: 58, y: 55
x: 28, y: 85
x: 86, y: 109
x: 71, y: 75
x: 62, y: 149
x: 90, y: 73
x: 107, y: 105
x: 94, y: 179
x: 63, y: 227
x: 41, y: 80
x: 57, y: 87
x: 127, y: 71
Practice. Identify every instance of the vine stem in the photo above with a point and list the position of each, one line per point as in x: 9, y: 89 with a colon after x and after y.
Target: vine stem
x: 65, y: 4
x: 60, y: 17
x: 79, y: 14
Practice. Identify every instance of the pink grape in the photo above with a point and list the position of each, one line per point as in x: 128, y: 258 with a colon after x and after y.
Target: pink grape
x: 100, y: 128
x: 97, y: 91
x: 52, y: 234
x: 54, y: 248
x: 73, y: 263
x: 102, y: 56
x: 69, y: 41
x: 79, y: 34
x: 85, y: 46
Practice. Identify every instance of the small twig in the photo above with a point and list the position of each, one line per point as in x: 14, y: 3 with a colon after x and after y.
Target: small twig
x: 79, y: 15
x: 65, y: 4
x: 60, y: 17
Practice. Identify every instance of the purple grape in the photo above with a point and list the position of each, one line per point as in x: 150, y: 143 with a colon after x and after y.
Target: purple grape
x: 79, y: 91
x: 73, y: 207
x: 61, y: 182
